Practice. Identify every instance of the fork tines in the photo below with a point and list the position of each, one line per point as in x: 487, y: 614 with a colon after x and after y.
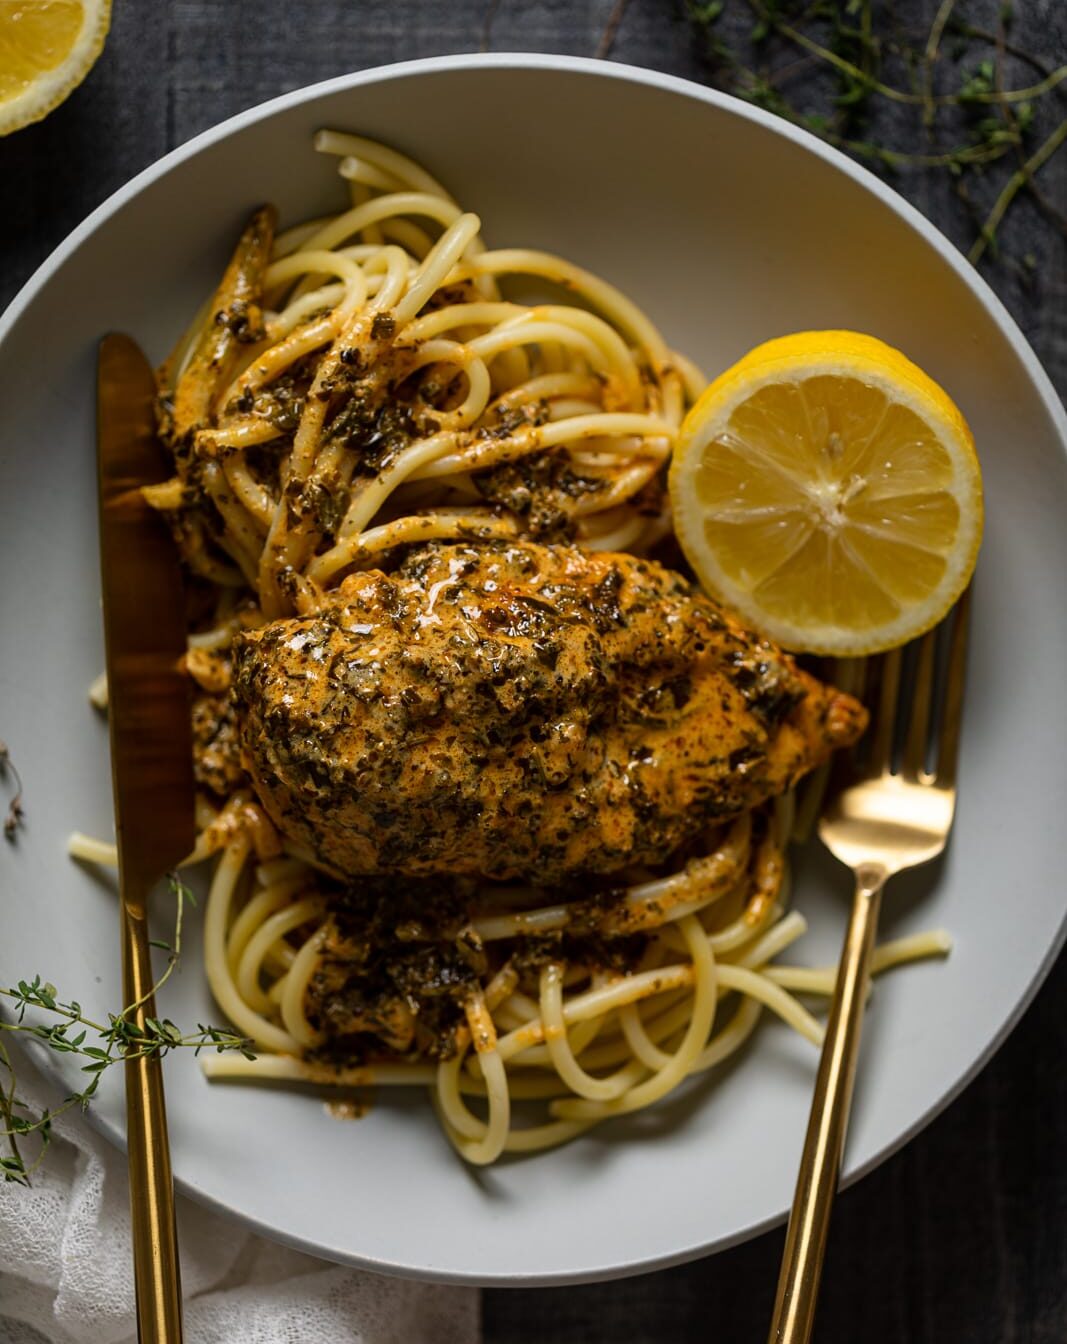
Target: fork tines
x: 915, y: 698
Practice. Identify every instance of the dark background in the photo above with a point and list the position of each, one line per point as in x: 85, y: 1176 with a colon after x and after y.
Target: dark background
x: 961, y: 1237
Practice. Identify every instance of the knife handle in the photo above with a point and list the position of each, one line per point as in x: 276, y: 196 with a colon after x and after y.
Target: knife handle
x: 155, y: 1240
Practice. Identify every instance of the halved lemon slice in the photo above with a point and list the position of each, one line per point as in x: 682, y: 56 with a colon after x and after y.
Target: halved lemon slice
x: 828, y: 491
x: 47, y: 47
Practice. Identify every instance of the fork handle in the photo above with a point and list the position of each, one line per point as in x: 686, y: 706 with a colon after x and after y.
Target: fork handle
x: 820, y: 1164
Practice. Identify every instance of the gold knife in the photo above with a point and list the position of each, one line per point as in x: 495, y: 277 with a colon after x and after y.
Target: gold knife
x: 151, y: 766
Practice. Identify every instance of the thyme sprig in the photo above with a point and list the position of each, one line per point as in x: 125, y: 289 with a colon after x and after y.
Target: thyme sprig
x: 98, y: 1044
x: 832, y: 66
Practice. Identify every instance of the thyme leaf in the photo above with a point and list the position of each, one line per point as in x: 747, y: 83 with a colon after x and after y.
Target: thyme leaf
x: 834, y: 67
x: 98, y: 1044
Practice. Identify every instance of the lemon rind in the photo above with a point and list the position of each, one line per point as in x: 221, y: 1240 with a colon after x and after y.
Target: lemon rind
x: 53, y: 87
x: 811, y: 356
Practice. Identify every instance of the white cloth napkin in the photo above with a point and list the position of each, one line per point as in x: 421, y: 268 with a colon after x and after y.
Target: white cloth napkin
x: 66, y: 1271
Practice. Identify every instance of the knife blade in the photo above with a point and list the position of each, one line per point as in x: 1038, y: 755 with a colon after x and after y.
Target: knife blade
x: 152, y: 775
x: 144, y: 622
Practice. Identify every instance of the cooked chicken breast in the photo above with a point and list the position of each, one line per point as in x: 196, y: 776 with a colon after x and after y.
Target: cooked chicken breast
x: 520, y: 710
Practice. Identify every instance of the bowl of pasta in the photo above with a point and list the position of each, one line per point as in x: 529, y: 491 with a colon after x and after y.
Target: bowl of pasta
x: 503, y: 820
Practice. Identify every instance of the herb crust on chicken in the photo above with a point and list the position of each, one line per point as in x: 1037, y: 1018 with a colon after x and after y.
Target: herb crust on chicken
x: 517, y: 710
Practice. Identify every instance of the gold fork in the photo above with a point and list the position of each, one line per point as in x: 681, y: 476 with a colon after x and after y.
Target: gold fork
x: 893, y: 814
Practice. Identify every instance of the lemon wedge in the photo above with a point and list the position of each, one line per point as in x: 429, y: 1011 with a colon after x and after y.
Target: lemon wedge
x: 47, y: 47
x: 828, y: 491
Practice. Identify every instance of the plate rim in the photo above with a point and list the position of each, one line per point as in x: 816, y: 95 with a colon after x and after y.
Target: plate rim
x: 805, y: 141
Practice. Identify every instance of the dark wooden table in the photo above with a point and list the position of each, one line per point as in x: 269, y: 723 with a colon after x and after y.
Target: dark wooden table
x: 962, y: 1237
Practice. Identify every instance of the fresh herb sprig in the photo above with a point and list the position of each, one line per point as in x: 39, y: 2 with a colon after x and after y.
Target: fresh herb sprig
x: 836, y: 67
x: 99, y: 1044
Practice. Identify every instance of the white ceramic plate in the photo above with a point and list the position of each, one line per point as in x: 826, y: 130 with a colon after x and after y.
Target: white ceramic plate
x: 728, y: 227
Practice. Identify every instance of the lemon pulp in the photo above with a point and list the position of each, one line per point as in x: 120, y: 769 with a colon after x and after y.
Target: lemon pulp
x: 35, y: 36
x: 46, y: 49
x: 829, y: 491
